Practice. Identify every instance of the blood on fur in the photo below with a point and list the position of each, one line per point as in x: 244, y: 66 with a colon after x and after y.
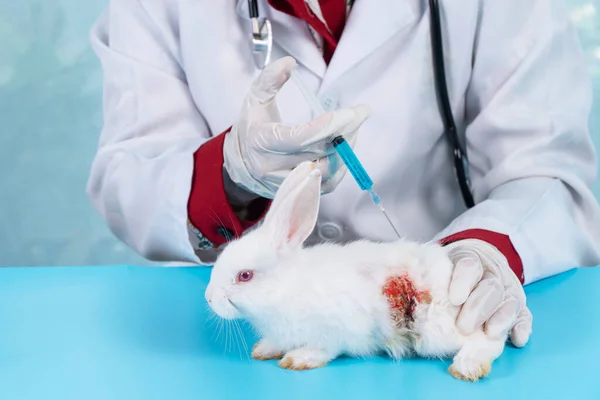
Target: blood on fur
x: 403, y: 299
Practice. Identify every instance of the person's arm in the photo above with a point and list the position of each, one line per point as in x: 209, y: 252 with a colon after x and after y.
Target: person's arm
x: 533, y: 163
x: 219, y: 210
x: 153, y: 143
x: 531, y: 153
x: 163, y: 184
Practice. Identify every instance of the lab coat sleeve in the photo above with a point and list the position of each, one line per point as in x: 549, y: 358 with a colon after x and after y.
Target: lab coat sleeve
x: 212, y: 217
x: 532, y: 159
x: 141, y: 176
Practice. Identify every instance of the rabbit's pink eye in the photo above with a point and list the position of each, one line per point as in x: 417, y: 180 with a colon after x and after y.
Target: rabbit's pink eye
x: 244, y: 276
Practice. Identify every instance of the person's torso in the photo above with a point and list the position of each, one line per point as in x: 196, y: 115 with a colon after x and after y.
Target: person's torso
x: 383, y: 60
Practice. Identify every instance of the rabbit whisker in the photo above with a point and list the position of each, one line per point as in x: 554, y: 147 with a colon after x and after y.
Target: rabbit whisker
x: 243, y: 339
x: 227, y: 338
x: 213, y: 319
x: 236, y: 336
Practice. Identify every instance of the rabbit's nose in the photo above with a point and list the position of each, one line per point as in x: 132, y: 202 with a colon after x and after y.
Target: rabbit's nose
x: 208, y: 294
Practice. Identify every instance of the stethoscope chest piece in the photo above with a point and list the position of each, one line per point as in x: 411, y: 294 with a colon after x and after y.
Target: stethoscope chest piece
x: 262, y: 42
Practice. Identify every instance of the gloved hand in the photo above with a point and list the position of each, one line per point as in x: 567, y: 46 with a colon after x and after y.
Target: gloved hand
x: 260, y: 151
x: 489, y: 292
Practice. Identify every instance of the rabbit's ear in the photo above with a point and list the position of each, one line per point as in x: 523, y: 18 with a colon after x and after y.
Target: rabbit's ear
x: 295, y: 208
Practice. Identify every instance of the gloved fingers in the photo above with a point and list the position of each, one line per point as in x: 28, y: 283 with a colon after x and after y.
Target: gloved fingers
x: 268, y: 160
x: 336, y: 170
x: 268, y: 83
x: 322, y: 130
x: 521, y: 331
x: 467, y: 272
x: 314, y: 135
x: 515, y: 289
x: 331, y: 167
x: 503, y: 319
x: 273, y: 180
x: 330, y: 178
x: 480, y: 305
x: 350, y: 131
x: 326, y: 166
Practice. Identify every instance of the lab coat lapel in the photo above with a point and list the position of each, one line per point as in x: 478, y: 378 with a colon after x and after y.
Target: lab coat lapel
x: 370, y: 24
x: 290, y: 34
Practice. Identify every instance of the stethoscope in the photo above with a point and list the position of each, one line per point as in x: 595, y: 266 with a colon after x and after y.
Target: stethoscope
x: 262, y: 45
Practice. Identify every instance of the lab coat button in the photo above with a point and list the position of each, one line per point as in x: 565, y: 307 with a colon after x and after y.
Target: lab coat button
x: 329, y: 231
x: 329, y: 103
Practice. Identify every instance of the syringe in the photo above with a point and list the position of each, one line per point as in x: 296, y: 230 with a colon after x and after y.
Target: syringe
x: 344, y: 150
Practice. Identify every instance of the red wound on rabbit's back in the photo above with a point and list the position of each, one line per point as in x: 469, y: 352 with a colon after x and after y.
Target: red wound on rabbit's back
x: 403, y: 298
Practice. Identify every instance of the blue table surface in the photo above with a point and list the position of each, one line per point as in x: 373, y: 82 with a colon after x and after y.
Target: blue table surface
x: 132, y: 333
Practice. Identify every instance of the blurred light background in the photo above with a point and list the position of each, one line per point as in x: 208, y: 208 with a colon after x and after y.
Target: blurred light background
x: 50, y: 116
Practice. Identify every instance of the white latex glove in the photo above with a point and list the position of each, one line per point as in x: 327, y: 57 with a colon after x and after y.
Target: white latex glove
x: 259, y: 151
x: 489, y: 292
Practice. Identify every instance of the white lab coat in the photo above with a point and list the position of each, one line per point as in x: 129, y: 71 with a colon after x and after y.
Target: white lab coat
x: 176, y: 73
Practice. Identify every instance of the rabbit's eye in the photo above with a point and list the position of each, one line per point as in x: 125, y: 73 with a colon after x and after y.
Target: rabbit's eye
x: 245, y: 276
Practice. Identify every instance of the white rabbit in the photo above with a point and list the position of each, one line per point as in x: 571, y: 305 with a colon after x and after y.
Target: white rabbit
x: 313, y: 304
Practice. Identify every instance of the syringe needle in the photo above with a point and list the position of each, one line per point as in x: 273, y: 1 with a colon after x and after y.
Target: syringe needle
x: 377, y: 200
x: 389, y: 220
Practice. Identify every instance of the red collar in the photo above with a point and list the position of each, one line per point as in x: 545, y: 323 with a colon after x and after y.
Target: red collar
x: 334, y: 12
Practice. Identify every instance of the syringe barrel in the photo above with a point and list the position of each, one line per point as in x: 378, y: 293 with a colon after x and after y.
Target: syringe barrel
x: 352, y: 163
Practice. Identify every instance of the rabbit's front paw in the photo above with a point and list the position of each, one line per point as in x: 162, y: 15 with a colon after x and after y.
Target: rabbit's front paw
x: 265, y: 350
x: 469, y: 371
x: 305, y: 358
x: 474, y: 359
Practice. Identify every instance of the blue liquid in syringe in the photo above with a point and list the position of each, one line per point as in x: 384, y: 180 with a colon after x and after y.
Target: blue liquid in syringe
x: 359, y: 174
x: 353, y: 163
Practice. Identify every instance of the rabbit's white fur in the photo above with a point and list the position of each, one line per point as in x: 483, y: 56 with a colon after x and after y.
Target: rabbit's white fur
x: 311, y: 305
